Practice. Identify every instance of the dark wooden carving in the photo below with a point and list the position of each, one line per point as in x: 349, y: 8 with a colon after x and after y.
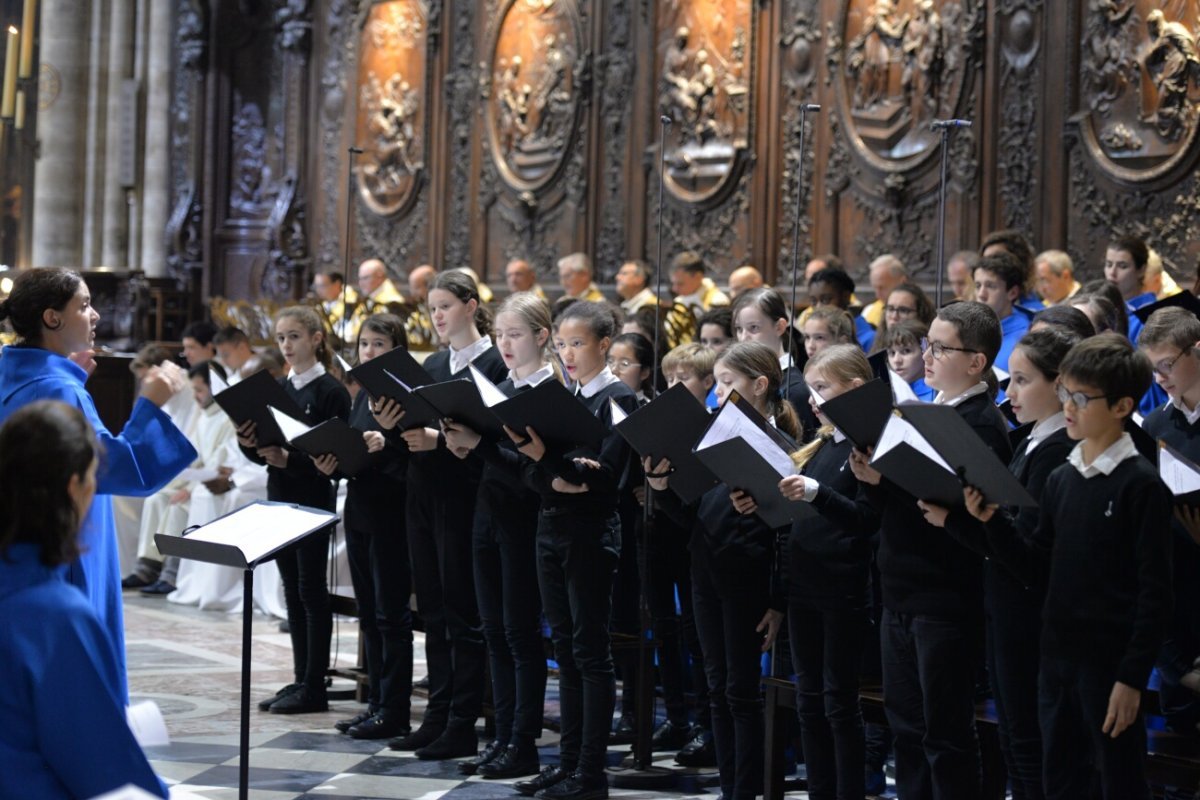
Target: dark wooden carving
x: 185, y: 228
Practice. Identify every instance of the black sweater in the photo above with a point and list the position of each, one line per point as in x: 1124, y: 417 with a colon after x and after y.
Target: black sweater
x: 1102, y: 547
x: 300, y: 481
x: 603, y: 484
x: 502, y: 490
x: 375, y: 496
x: 923, y: 570
x: 829, y: 556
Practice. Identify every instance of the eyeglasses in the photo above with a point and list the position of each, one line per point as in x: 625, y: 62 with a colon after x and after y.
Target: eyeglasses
x: 900, y: 311
x: 1165, y: 366
x: 939, y: 350
x: 622, y: 364
x: 1077, y: 399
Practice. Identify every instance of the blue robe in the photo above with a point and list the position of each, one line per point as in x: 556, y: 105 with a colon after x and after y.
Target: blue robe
x: 62, y: 714
x: 924, y: 392
x: 1012, y: 328
x: 148, y: 453
x: 1155, y: 397
x: 865, y: 332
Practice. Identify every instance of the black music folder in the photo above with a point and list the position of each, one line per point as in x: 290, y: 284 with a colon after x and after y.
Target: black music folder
x: 1185, y: 300
x: 666, y: 428
x: 251, y: 399
x: 931, y: 452
x: 745, y: 452
x: 879, y: 364
x: 248, y: 536
x: 1180, y: 474
x: 560, y: 419
x: 459, y: 400
x: 395, y: 375
x: 862, y: 413
x: 333, y: 436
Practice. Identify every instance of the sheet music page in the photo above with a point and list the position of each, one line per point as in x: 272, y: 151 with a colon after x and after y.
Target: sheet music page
x: 732, y: 423
x: 901, y: 391
x: 258, y: 529
x: 1179, y: 476
x: 491, y: 395
x: 618, y: 413
x: 342, y: 363
x: 289, y: 426
x: 900, y: 431
x: 403, y: 385
x: 216, y: 383
x: 1001, y: 375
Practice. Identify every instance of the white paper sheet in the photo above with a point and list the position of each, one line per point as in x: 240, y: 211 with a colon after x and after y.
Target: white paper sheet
x: 146, y: 721
x: 491, y: 395
x: 290, y: 426
x: 618, y: 413
x: 900, y: 431
x: 199, y: 474
x: 217, y: 384
x: 342, y: 363
x: 406, y: 387
x: 259, y: 529
x: 732, y: 423
x: 901, y: 391
x: 1179, y: 476
x: 1001, y: 375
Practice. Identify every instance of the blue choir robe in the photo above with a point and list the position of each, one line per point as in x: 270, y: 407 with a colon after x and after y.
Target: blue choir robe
x: 924, y: 392
x: 62, y: 712
x: 865, y: 333
x: 1012, y: 328
x: 147, y: 454
x: 1155, y: 397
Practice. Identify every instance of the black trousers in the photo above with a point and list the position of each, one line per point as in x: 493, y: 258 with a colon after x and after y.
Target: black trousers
x: 440, y: 544
x: 511, y: 612
x: 576, y: 557
x: 1014, y: 624
x: 1073, y: 694
x: 382, y: 578
x: 929, y: 666
x: 626, y: 611
x: 729, y: 600
x: 302, y: 569
x: 827, y: 645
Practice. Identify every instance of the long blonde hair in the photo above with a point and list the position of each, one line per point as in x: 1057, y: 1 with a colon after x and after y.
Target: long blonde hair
x: 755, y: 360
x: 534, y: 312
x: 839, y: 363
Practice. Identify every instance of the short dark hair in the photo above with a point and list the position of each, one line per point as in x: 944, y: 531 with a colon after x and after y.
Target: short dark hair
x: 1004, y: 266
x: 689, y: 261
x: 1176, y: 326
x: 643, y: 269
x: 42, y: 445
x: 1135, y: 246
x: 1109, y: 363
x: 1047, y: 348
x: 1066, y: 318
x: 599, y: 318
x: 230, y: 334
x: 1014, y: 243
x: 33, y: 292
x: 202, y: 331
x: 837, y: 278
x: 717, y: 315
x: 204, y: 369
x: 977, y: 326
x: 905, y: 333
x: 1110, y: 292
x: 335, y: 277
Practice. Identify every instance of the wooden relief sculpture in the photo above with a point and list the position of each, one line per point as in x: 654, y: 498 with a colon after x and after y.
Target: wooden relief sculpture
x: 391, y: 105
x: 1141, y: 84
x: 531, y: 92
x: 704, y: 66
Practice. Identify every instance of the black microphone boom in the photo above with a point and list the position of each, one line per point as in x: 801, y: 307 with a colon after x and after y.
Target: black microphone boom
x: 939, y: 124
x: 945, y: 126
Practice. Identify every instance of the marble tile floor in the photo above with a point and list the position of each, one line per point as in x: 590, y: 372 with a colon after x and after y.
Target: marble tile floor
x: 188, y: 661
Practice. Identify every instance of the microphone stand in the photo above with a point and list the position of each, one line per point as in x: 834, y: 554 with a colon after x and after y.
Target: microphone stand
x: 640, y: 772
x: 352, y: 152
x: 945, y: 126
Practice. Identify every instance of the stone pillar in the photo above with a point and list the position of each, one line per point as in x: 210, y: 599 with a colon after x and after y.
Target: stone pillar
x: 58, y: 193
x: 114, y: 244
x: 156, y: 164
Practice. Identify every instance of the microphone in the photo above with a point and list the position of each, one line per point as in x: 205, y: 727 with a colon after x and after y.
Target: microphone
x: 938, y: 124
x: 665, y: 119
x: 811, y: 107
x: 355, y: 150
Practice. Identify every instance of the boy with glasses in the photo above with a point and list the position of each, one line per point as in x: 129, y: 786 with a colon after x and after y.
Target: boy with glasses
x: 1102, y: 549
x: 932, y: 624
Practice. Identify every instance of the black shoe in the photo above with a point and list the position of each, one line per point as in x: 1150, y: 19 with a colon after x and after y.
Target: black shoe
x: 543, y: 780
x: 284, y: 627
x: 456, y: 742
x: 135, y: 581
x: 379, y: 726
x: 422, y: 684
x: 670, y: 736
x: 699, y: 752
x: 577, y: 787
x: 625, y: 732
x: 511, y: 763
x: 265, y: 705
x: 157, y: 588
x: 302, y: 701
x: 344, y: 725
x: 421, y: 737
x: 472, y: 765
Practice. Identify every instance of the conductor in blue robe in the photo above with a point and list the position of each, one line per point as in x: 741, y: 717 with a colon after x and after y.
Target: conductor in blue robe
x: 50, y: 310
x: 63, y: 732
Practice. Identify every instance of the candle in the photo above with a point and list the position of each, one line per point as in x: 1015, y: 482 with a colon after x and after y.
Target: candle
x: 20, y: 120
x: 8, y: 99
x: 27, y: 31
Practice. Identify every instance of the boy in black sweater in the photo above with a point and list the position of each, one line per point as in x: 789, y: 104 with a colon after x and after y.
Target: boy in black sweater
x: 932, y: 622
x: 1168, y: 340
x: 1103, y: 549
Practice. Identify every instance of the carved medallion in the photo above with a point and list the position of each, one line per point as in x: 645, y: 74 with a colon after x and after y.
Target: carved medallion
x: 392, y: 106
x: 902, y: 65
x: 705, y: 53
x: 531, y: 90
x: 1140, y: 85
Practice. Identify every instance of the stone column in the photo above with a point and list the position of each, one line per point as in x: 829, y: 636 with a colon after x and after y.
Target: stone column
x: 156, y: 164
x: 114, y: 244
x: 61, y: 128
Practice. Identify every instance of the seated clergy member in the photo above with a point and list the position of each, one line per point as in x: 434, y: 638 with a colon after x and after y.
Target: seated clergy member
x: 378, y: 294
x: 633, y: 288
x: 886, y: 273
x: 743, y: 279
x: 60, y: 673
x: 1055, y: 277
x: 692, y: 289
x: 521, y: 277
x: 331, y: 289
x: 575, y: 275
x: 960, y: 273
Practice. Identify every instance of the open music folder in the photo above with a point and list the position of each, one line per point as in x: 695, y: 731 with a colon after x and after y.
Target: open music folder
x: 666, y: 428
x: 333, y: 436
x: 746, y: 453
x: 396, y: 375
x: 1180, y: 474
x: 560, y: 418
x: 250, y: 399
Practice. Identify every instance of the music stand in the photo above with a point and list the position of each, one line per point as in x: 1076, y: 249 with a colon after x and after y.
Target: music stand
x: 252, y: 535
